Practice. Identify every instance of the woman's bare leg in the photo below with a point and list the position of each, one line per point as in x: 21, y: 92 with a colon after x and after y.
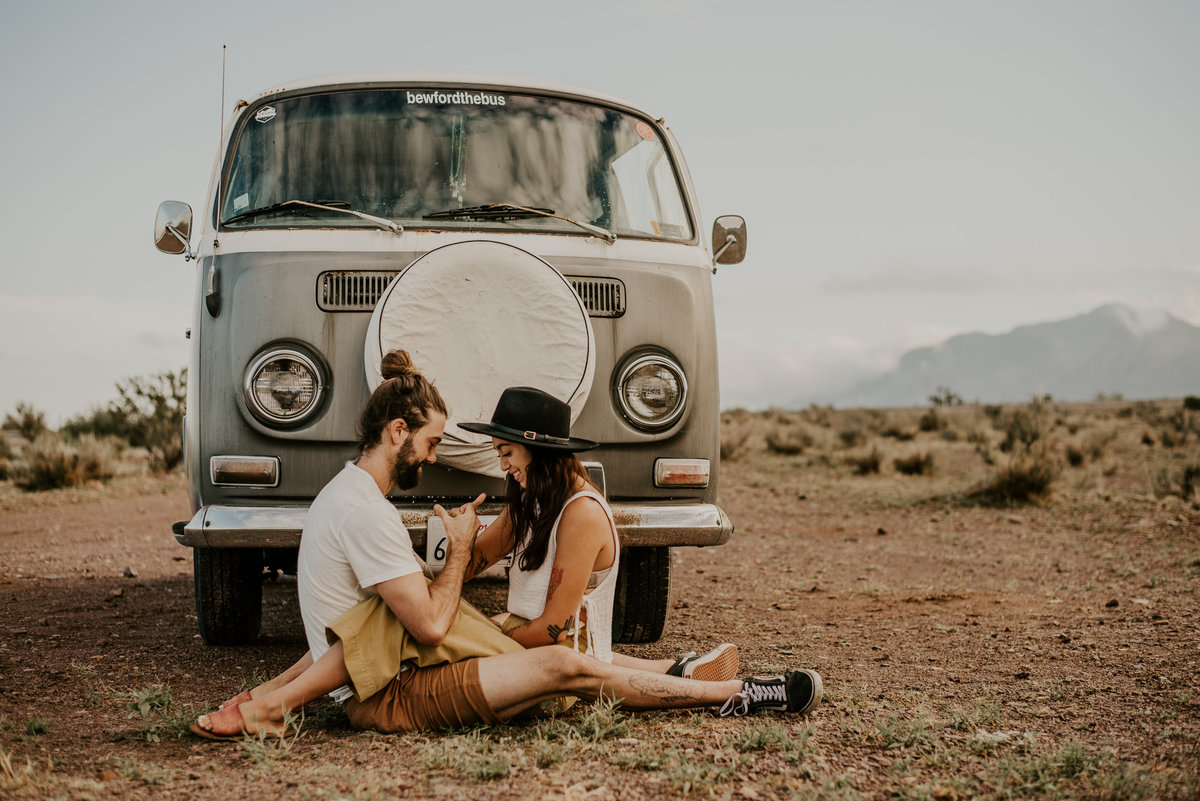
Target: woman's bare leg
x: 636, y: 663
x: 514, y: 683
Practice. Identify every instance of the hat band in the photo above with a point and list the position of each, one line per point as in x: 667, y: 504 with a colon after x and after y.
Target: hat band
x: 532, y: 436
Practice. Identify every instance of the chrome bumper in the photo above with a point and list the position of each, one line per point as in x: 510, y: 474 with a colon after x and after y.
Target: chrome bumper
x: 638, y: 524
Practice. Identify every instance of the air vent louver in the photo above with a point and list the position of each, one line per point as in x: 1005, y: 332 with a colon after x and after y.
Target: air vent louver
x: 360, y: 290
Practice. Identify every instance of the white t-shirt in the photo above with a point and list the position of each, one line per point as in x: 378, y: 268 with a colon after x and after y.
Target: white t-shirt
x: 353, y: 539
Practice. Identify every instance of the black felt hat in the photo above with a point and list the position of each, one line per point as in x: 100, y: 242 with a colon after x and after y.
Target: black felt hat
x: 532, y: 417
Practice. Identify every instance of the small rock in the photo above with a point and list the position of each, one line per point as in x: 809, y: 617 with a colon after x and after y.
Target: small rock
x: 1141, y: 601
x: 130, y: 573
x: 627, y: 740
x: 881, y: 531
x: 117, y: 593
x: 1113, y: 604
x: 106, y: 775
x: 1023, y: 673
x: 1012, y: 519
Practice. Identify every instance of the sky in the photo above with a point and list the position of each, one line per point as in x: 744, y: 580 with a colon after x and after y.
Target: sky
x: 908, y: 170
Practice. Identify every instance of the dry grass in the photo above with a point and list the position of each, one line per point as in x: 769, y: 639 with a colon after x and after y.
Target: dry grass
x: 51, y: 462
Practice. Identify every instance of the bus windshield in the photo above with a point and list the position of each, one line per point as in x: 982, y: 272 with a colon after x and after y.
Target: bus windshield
x: 425, y: 158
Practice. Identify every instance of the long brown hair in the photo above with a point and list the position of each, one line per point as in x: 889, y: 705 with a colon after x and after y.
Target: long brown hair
x: 549, y: 480
x: 404, y: 394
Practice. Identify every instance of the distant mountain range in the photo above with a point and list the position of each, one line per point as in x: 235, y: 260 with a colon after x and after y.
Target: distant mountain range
x: 1111, y: 350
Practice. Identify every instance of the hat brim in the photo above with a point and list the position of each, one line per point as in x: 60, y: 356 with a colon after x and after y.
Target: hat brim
x: 512, y: 435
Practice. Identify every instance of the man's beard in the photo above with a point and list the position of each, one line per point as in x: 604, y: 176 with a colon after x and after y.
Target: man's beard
x: 405, y: 472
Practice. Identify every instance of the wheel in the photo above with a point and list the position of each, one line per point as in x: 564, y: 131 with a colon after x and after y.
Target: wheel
x: 643, y: 584
x: 228, y: 594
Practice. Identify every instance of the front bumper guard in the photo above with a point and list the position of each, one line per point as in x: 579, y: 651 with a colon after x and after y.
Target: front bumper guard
x: 645, y: 524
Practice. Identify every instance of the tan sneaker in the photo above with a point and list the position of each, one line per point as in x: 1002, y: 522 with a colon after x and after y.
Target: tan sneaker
x: 719, y: 664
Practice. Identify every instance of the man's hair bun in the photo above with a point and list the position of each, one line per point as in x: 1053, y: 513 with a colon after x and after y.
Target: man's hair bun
x: 397, y: 363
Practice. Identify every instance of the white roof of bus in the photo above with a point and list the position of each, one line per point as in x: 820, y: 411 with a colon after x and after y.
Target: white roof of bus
x: 432, y: 77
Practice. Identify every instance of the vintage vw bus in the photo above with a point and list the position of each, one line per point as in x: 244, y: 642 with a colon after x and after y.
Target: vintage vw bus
x: 504, y: 232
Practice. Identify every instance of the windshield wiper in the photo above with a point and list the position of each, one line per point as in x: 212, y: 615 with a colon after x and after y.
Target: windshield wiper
x: 511, y: 211
x: 340, y: 206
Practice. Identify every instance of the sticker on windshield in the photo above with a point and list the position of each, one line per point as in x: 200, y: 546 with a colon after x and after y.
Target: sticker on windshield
x: 241, y: 201
x: 456, y: 98
x: 265, y: 114
x: 646, y: 132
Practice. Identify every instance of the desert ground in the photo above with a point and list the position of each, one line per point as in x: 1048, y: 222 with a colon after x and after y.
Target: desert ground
x: 1002, y: 603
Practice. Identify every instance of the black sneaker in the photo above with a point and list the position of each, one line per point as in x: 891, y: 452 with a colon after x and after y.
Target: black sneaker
x: 797, y: 691
x: 719, y: 664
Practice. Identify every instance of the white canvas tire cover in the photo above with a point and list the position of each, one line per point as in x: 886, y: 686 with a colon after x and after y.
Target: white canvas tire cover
x: 478, y: 317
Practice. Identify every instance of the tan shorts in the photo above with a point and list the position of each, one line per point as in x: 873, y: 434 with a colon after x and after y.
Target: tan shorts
x: 438, y: 697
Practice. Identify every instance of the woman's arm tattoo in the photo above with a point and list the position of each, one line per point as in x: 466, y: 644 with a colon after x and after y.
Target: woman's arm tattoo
x: 481, y: 563
x: 555, y: 580
x: 554, y: 630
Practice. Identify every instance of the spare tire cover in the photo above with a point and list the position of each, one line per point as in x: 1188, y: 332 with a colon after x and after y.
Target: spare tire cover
x: 477, y: 317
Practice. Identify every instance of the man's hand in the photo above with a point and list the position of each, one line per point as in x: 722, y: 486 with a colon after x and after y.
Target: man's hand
x: 462, y: 524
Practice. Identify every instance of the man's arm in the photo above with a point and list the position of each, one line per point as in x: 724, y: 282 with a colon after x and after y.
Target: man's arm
x: 428, y: 609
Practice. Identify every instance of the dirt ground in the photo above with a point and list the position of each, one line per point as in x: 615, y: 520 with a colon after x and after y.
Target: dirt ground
x: 1049, y: 650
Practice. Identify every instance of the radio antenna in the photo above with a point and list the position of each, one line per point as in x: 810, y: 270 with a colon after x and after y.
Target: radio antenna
x: 220, y: 134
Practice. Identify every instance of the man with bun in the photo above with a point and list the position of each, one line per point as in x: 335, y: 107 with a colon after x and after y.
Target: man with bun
x: 355, y: 546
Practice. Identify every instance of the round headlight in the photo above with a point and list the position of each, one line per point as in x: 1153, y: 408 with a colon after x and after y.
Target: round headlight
x: 283, y: 387
x: 651, y: 390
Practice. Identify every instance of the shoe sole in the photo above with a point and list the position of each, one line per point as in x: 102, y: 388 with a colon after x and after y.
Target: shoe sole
x: 818, y: 690
x: 719, y: 664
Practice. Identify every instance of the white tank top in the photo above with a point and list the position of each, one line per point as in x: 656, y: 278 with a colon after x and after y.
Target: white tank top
x: 527, y: 588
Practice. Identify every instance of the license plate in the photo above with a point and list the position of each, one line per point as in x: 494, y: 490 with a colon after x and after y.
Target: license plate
x: 435, y: 546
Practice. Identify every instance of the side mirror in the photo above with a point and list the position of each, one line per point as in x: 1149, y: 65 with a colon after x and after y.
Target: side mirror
x: 729, y: 239
x: 173, y: 228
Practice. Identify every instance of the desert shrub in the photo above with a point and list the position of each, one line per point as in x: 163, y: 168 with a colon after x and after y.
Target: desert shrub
x: 148, y: 413
x: 1178, y: 427
x: 733, y: 440
x: 1022, y: 428
x: 866, y: 464
x: 51, y: 462
x: 823, y: 416
x: 1148, y: 438
x: 917, y: 464
x: 1182, y: 482
x: 977, y: 437
x: 1148, y: 412
x: 993, y: 412
x: 944, y: 396
x: 1191, y: 403
x: 28, y: 422
x: 1097, y: 442
x: 897, y: 433
x: 788, y: 440
x: 107, y: 421
x: 950, y: 435
x: 851, y: 437
x: 1025, y: 479
x: 1074, y: 455
x: 930, y: 421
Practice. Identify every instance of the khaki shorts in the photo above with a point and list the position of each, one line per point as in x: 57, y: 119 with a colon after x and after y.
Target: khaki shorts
x: 438, y: 697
